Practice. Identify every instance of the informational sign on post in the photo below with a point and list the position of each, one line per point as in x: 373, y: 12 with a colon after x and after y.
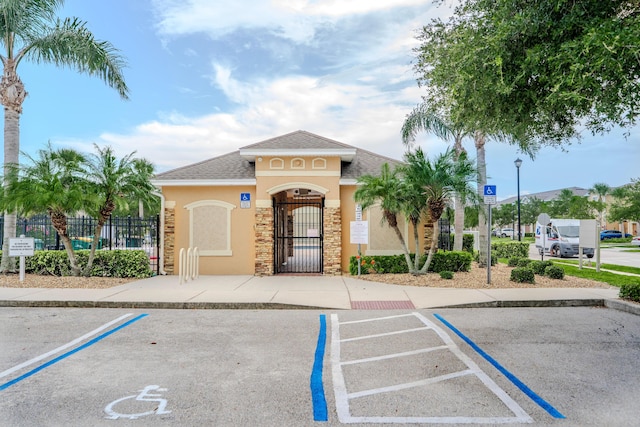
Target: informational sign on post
x: 490, y: 198
x: 360, y: 232
x: 22, y: 247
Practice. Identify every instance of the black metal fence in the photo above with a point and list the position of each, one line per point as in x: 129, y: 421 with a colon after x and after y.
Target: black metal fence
x: 117, y: 233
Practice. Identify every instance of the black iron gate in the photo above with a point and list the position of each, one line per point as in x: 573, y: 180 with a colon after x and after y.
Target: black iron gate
x: 298, y: 236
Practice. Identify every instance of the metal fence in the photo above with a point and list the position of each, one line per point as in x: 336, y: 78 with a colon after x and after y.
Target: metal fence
x: 118, y: 233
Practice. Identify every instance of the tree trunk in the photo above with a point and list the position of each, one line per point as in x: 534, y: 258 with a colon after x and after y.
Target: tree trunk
x: 432, y: 249
x: 458, y: 219
x: 407, y: 256
x: 12, y: 95
x: 11, y: 159
x: 73, y: 263
x: 479, y: 140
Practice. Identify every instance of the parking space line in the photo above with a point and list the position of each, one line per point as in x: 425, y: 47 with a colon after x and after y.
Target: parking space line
x: 69, y: 353
x: 342, y: 396
x: 386, y: 334
x: 318, y: 398
x: 522, y: 386
x: 62, y: 347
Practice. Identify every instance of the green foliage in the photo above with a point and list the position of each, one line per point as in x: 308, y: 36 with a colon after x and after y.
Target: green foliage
x: 513, y: 261
x: 630, y: 291
x: 446, y: 275
x: 522, y: 275
x: 524, y: 262
x: 494, y: 258
x: 467, y: 243
x: 451, y: 261
x: 539, y: 267
x: 554, y: 272
x: 510, y: 249
x: 613, y: 279
x: 114, y: 263
x: 396, y: 264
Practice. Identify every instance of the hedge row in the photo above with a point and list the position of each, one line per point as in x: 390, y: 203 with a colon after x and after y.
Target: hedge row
x: 114, y: 263
x: 526, y: 269
x: 442, y: 261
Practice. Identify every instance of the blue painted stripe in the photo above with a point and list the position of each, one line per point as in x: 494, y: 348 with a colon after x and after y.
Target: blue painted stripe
x: 317, y: 389
x: 522, y: 386
x: 69, y: 353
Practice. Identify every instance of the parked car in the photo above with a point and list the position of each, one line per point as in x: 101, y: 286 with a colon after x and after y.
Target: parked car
x: 506, y: 232
x: 635, y: 241
x: 495, y: 232
x: 612, y: 234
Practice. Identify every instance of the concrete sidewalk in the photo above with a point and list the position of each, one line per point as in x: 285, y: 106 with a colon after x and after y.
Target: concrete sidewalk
x: 341, y: 292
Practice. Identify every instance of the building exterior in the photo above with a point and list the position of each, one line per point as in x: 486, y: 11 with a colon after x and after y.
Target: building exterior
x: 283, y: 205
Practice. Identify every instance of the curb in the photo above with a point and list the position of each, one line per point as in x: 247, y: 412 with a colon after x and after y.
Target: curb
x: 159, y: 305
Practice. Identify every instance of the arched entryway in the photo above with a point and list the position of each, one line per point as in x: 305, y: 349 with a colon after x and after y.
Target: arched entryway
x: 298, y: 231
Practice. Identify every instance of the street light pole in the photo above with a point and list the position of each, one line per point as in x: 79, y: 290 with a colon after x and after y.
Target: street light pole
x: 518, y: 163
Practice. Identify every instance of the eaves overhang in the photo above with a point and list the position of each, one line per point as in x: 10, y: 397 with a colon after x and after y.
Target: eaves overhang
x: 345, y: 154
x: 203, y: 182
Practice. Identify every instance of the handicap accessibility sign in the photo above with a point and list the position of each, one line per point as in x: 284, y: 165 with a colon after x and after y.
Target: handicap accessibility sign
x: 245, y: 200
x: 490, y: 194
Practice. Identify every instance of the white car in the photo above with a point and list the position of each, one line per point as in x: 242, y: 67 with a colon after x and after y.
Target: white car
x: 635, y: 241
x: 506, y: 232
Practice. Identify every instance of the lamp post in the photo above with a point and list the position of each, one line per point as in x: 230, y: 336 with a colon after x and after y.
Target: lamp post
x: 518, y: 163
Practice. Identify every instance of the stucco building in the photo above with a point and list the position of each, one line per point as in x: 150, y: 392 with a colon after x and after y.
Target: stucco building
x: 283, y: 205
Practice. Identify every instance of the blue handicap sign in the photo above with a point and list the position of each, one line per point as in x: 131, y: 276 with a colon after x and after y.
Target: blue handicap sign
x: 245, y: 197
x: 489, y: 190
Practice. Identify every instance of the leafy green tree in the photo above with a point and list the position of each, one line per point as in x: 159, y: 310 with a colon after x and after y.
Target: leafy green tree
x: 54, y: 183
x: 112, y: 183
x: 30, y: 31
x: 384, y: 190
x: 531, y: 208
x: 504, y: 214
x: 627, y: 206
x: 439, y: 179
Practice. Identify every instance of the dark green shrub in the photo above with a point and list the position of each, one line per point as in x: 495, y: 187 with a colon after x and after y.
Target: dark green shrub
x: 510, y: 249
x: 524, y: 262
x: 378, y: 264
x: 494, y: 258
x: 513, y: 262
x: 446, y: 275
x: 554, y: 272
x: 114, y: 263
x: 522, y: 275
x: 539, y: 267
x: 467, y: 243
x: 630, y: 291
x: 450, y: 261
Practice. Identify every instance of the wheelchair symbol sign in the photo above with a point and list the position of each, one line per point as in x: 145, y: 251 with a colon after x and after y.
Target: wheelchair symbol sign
x: 245, y: 197
x: 489, y: 190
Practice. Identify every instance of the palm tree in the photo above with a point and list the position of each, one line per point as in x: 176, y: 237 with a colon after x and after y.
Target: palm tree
x: 113, y: 183
x: 53, y: 183
x: 422, y: 118
x: 30, y: 31
x: 602, y: 190
x: 384, y: 190
x: 439, y: 180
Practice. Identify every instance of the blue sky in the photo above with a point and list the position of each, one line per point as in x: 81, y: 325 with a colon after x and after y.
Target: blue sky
x: 208, y: 77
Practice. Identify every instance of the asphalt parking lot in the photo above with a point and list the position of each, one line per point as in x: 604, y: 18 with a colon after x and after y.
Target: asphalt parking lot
x: 546, y: 366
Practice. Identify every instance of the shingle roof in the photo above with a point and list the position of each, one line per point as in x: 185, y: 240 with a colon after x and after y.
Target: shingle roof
x: 233, y: 166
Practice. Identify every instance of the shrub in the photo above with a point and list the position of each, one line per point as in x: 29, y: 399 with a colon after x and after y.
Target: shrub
x: 114, y: 263
x: 494, y: 258
x: 396, y: 264
x: 467, y: 243
x: 539, y: 267
x: 510, y: 249
x: 450, y: 261
x: 522, y: 275
x: 630, y: 291
x: 524, y: 262
x: 554, y: 272
x: 446, y: 275
x: 513, y: 261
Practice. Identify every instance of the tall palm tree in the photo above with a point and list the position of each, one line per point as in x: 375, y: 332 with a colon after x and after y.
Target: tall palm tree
x: 384, y: 190
x: 113, y: 183
x: 602, y: 190
x: 29, y: 30
x: 53, y: 183
x: 422, y: 118
x: 439, y: 180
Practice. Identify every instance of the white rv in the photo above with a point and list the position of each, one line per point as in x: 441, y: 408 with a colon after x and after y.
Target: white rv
x: 560, y: 238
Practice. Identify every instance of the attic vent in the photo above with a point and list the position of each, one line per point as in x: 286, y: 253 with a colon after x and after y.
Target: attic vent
x: 301, y: 191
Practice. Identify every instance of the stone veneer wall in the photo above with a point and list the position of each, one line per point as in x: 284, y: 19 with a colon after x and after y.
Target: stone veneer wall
x: 169, y: 239
x: 264, y: 241
x: 332, y: 242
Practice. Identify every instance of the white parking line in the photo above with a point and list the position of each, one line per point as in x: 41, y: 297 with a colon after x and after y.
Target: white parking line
x: 63, y: 347
x: 342, y: 396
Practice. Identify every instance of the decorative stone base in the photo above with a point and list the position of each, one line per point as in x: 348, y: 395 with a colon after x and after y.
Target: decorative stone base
x: 264, y: 242
x: 332, y: 242
x: 169, y: 240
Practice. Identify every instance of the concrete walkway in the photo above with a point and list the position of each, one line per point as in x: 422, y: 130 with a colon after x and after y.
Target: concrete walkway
x: 342, y: 292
